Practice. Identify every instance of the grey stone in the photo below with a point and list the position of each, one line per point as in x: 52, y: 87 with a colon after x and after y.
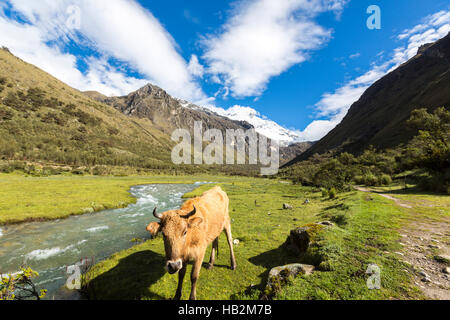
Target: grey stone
x: 281, y: 273
x: 423, y: 274
x: 299, y: 239
x: 287, y: 206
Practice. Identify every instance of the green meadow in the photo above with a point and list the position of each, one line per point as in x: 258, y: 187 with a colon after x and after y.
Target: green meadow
x: 366, y: 230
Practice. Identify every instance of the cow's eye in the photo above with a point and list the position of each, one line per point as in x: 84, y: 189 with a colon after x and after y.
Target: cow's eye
x: 184, y: 233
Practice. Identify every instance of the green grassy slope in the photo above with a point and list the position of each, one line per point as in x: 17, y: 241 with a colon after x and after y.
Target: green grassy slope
x: 42, y: 119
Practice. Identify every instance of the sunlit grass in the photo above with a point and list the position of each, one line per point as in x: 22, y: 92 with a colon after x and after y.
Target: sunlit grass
x: 367, y: 233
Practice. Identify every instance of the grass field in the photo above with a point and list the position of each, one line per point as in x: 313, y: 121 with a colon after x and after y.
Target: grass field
x: 41, y: 198
x: 366, y: 232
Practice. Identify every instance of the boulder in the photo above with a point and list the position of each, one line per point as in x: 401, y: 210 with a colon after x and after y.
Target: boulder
x: 287, y: 206
x: 299, y: 239
x: 278, y: 276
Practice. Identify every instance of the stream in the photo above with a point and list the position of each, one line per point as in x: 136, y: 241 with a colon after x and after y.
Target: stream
x: 50, y: 247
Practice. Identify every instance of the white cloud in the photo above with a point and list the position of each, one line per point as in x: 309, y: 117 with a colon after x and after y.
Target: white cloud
x: 195, y: 68
x: 264, y: 38
x: 120, y: 29
x: 335, y: 105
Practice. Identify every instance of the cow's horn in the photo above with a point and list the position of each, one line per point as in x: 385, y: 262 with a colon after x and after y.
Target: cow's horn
x: 157, y: 215
x: 190, y: 214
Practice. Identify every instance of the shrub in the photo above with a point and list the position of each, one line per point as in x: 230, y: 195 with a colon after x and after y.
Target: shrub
x: 332, y: 193
x: 6, y: 168
x: 13, y: 101
x: 324, y: 192
x: 5, y: 114
x: 359, y: 180
x: 386, y: 179
x: 370, y: 180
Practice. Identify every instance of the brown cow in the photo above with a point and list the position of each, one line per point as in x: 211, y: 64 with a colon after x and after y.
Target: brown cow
x: 187, y: 232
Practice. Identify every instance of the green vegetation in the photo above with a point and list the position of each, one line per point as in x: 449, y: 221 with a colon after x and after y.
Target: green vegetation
x: 426, y: 158
x: 42, y: 198
x: 20, y: 286
x: 45, y: 122
x: 366, y: 231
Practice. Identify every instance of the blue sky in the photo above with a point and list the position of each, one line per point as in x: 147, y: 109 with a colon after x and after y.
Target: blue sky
x: 299, y: 63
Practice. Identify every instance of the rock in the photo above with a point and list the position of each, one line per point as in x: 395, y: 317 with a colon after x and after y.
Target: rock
x: 423, y: 274
x: 446, y: 270
x: 236, y: 242
x: 426, y: 279
x: 287, y: 206
x: 442, y: 258
x: 306, y: 201
x: 327, y: 223
x: 268, y: 213
x: 300, y: 238
x: 279, y: 275
x: 433, y: 246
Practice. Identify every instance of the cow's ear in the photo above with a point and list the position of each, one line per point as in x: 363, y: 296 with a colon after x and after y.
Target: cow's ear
x: 192, y: 223
x: 154, y: 228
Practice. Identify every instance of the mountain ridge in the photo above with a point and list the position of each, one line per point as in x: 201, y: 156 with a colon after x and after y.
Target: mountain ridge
x: 379, y: 117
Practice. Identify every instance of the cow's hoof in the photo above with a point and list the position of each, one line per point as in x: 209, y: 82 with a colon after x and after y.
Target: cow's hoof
x: 210, y: 266
x: 233, y: 267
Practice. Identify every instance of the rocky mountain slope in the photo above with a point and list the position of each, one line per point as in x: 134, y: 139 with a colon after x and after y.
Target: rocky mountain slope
x: 379, y: 117
x: 168, y: 113
x: 165, y: 112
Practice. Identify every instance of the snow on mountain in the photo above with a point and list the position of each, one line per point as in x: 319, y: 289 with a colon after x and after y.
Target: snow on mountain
x: 262, y: 124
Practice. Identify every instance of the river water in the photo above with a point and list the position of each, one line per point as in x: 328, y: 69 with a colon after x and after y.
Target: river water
x: 50, y: 247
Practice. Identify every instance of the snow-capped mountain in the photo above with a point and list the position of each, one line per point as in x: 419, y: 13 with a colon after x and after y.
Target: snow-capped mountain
x: 262, y: 125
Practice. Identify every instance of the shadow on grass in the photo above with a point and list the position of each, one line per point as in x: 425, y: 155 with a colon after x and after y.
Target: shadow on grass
x: 268, y: 260
x: 410, y: 191
x: 130, y: 279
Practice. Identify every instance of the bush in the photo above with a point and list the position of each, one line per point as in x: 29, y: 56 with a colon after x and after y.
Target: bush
x: 359, y: 180
x: 385, y: 180
x: 5, y: 114
x: 324, y: 192
x: 370, y: 180
x: 332, y: 193
x: 6, y: 168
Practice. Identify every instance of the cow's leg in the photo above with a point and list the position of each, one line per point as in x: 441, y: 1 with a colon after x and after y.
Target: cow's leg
x: 215, y: 247
x: 195, y: 274
x: 230, y: 243
x: 181, y: 275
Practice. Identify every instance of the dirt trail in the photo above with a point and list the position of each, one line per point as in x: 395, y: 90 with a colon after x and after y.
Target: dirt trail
x: 422, y: 240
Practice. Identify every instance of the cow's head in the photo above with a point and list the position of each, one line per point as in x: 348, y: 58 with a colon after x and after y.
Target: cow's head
x: 174, y: 225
